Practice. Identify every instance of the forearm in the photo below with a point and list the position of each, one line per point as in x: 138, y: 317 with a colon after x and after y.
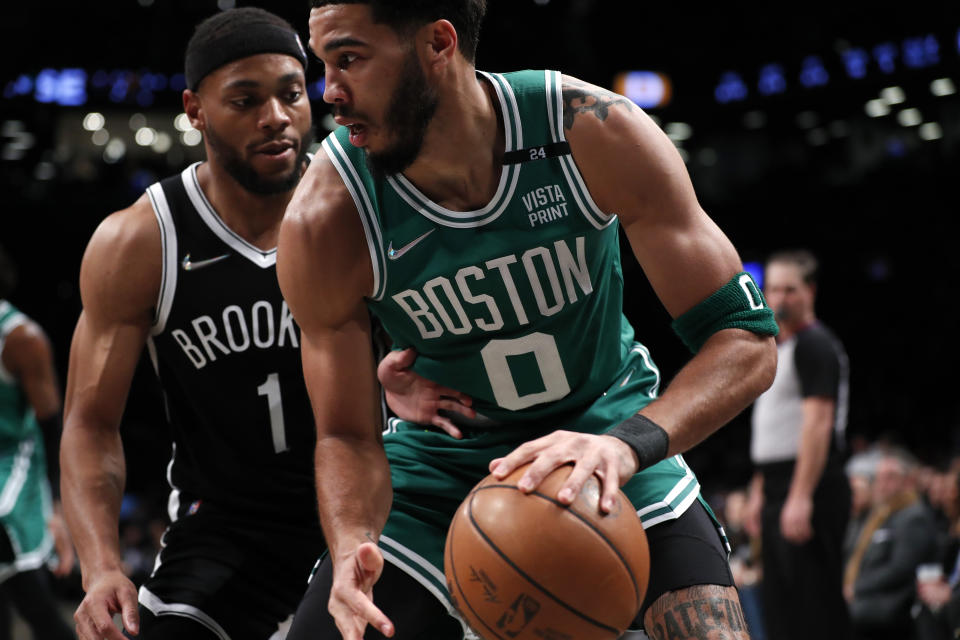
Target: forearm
x: 726, y: 375
x: 353, y: 491
x: 92, y: 479
x: 812, y: 455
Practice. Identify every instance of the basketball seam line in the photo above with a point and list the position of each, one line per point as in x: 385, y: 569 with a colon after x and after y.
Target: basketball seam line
x: 529, y: 578
x: 613, y: 547
x: 456, y: 579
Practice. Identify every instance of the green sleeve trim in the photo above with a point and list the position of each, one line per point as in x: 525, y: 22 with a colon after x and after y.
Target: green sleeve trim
x: 739, y: 304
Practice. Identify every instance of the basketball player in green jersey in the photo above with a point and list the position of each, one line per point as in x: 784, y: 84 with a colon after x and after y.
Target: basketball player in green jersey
x: 31, y: 527
x: 477, y: 216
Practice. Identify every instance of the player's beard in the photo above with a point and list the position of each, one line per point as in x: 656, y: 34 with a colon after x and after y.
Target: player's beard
x: 412, y: 107
x: 243, y: 172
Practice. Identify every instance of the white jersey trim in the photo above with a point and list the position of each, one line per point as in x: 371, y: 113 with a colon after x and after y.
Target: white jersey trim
x: 18, y: 476
x: 208, y: 214
x: 160, y: 608
x: 168, y: 253
x: 509, y: 175
x: 361, y: 199
x: 27, y: 561
x: 417, y: 573
x: 575, y: 181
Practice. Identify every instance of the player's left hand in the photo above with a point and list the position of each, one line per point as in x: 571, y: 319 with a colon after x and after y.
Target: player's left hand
x: 795, y: 519
x: 63, y: 544
x: 606, y: 457
x: 416, y: 399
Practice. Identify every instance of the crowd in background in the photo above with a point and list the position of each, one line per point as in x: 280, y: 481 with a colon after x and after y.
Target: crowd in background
x: 901, y: 562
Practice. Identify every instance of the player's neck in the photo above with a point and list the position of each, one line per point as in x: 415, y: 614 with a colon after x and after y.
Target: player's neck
x: 255, y: 218
x: 460, y: 163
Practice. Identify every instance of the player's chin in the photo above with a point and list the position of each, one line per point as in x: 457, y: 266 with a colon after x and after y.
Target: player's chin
x: 269, y: 164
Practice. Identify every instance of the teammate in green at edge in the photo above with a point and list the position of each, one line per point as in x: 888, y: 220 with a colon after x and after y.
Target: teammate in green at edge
x: 477, y: 216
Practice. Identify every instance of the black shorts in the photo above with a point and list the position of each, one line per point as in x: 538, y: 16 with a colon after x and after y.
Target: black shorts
x: 240, y: 578
x: 684, y: 552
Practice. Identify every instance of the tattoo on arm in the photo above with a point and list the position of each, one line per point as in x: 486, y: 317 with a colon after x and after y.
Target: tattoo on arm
x: 579, y: 97
x: 697, y: 613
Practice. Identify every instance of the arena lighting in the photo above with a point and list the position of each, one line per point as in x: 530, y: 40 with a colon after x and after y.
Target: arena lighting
x: 678, y: 131
x: 137, y: 121
x: 892, y: 95
x: 114, y: 151
x: 647, y: 89
x: 731, y: 88
x: 771, y: 80
x: 707, y: 157
x: 877, y: 108
x: 856, y: 61
x: 930, y: 131
x: 839, y: 129
x: 162, y: 143
x: 100, y: 137
x: 94, y: 121
x: 943, y: 87
x: 315, y: 89
x: 817, y: 137
x: 145, y: 136
x: 191, y: 138
x: 67, y: 87
x: 754, y: 119
x: 807, y: 119
x: 885, y: 55
x: 909, y: 117
x: 755, y: 269
x: 813, y: 73
x: 182, y: 123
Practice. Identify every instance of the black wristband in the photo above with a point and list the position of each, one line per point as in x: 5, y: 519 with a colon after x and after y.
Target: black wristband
x: 647, y: 439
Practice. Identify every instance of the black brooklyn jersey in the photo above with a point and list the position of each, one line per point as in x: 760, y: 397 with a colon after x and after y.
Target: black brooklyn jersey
x: 226, y: 350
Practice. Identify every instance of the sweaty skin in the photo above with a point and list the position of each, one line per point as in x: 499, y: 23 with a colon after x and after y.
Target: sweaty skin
x: 630, y: 167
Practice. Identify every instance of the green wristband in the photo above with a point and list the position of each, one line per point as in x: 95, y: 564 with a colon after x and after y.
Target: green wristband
x: 739, y: 304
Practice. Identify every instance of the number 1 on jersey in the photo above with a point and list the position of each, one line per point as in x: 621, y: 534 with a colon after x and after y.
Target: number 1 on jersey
x: 271, y: 389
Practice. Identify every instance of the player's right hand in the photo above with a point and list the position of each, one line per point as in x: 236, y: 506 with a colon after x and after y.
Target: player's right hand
x: 351, y: 596
x: 108, y: 593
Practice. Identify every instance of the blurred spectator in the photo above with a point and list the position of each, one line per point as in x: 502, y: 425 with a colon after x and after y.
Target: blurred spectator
x: 937, y: 611
x: 800, y: 498
x: 745, y: 561
x: 898, y: 535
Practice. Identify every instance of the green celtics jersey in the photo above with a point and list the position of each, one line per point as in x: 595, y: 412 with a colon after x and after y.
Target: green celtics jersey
x: 517, y: 304
x: 25, y: 504
x: 17, y: 421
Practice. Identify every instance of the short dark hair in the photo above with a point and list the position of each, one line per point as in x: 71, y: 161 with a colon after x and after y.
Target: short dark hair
x: 404, y: 15
x: 8, y: 274
x: 229, y: 27
x: 803, y: 259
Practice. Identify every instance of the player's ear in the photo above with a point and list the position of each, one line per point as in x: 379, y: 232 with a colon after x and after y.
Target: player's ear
x: 194, y: 109
x: 442, y: 40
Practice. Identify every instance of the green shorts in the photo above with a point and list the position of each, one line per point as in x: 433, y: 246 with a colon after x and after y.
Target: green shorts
x: 25, y: 507
x: 432, y: 473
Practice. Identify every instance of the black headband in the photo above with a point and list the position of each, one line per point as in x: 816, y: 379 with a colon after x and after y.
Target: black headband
x: 248, y: 41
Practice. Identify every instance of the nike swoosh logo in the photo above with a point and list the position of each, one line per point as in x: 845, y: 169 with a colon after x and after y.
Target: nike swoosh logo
x: 627, y: 379
x: 395, y: 254
x: 193, y: 265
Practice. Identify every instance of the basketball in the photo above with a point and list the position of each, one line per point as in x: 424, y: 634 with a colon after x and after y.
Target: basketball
x: 522, y: 566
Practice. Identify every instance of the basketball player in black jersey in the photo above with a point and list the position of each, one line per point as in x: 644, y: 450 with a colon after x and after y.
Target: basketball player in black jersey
x: 188, y: 270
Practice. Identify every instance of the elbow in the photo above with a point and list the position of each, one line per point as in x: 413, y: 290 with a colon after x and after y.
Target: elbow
x: 764, y: 363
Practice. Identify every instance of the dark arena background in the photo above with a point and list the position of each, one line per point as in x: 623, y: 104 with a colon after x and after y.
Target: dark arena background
x: 832, y: 126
